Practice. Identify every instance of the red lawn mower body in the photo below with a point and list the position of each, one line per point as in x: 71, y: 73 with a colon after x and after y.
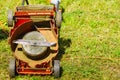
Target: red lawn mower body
x: 30, y: 21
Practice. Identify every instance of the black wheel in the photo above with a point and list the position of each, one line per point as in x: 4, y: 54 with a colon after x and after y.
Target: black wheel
x: 12, y: 70
x: 10, y: 18
x: 58, y: 19
x: 56, y: 68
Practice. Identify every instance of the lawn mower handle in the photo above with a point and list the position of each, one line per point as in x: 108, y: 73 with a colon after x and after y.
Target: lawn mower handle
x: 23, y: 2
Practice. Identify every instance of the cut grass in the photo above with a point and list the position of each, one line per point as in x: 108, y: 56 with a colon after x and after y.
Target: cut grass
x: 89, y: 40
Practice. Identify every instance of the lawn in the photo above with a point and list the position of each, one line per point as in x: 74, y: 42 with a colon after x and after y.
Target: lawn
x: 89, y: 40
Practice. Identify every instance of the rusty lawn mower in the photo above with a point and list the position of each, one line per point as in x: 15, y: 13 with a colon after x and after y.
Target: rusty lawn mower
x: 34, y: 39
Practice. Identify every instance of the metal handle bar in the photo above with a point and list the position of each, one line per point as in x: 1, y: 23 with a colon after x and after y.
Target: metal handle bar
x: 23, y: 2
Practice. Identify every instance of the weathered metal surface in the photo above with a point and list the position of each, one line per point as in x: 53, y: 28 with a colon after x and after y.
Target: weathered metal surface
x: 24, y: 23
x: 25, y: 19
x: 35, y: 7
x: 34, y: 13
x: 53, y: 51
x: 19, y: 31
x: 24, y: 68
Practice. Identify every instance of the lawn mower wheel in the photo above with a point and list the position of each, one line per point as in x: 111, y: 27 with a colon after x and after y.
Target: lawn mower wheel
x: 10, y: 18
x: 12, y: 70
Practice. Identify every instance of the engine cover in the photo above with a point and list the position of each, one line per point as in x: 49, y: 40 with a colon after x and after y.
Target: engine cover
x: 33, y: 51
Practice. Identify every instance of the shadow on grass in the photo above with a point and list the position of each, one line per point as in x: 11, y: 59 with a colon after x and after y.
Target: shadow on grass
x: 63, y: 10
x: 3, y: 35
x: 63, y: 44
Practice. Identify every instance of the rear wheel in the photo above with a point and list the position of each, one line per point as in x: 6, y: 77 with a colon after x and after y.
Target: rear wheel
x: 10, y: 18
x: 12, y: 70
x: 58, y: 19
x: 56, y: 68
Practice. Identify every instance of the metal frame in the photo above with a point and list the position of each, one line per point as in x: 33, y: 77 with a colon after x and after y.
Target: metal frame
x: 22, y: 25
x: 42, y: 69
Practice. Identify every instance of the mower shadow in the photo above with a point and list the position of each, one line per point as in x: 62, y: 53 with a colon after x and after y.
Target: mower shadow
x: 63, y: 44
x: 3, y: 34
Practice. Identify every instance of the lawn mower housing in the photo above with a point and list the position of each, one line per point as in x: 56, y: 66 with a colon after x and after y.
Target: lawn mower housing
x: 34, y: 39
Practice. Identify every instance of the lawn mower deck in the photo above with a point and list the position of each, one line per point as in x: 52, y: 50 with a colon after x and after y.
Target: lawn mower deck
x: 34, y: 39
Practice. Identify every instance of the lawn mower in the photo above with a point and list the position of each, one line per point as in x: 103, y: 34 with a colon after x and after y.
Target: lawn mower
x: 33, y: 39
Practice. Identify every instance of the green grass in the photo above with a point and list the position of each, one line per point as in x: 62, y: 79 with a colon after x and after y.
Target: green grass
x: 89, y: 40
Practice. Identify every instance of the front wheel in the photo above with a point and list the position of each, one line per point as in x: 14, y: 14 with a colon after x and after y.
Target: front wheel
x: 56, y: 68
x: 12, y: 69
